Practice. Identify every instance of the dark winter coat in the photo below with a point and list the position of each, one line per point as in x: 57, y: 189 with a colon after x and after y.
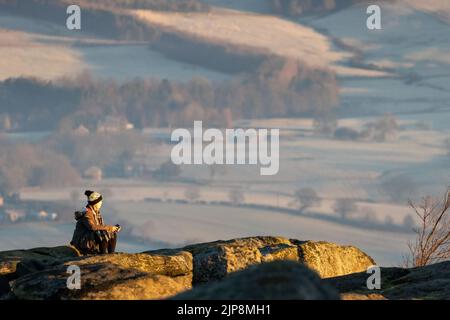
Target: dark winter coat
x: 84, y: 237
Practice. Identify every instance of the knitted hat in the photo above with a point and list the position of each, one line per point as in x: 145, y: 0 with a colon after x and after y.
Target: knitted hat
x: 93, y: 197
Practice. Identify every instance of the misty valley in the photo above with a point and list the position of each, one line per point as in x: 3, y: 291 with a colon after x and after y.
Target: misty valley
x: 232, y: 133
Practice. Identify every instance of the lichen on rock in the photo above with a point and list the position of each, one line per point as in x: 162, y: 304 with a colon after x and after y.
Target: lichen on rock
x: 332, y: 260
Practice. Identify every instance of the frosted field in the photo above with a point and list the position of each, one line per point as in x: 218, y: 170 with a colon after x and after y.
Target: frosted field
x: 267, y: 32
x: 336, y: 169
x: 21, y: 55
x: 125, y: 62
x: 413, y: 44
x: 35, y: 48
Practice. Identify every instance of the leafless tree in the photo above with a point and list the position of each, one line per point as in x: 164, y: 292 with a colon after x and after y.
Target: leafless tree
x: 409, y: 222
x: 325, y: 124
x: 306, y: 198
x: 368, y: 215
x: 386, y: 127
x: 236, y: 196
x: 447, y: 145
x: 388, y: 221
x: 345, y: 207
x: 432, y: 243
x: 380, y: 130
x: 399, y: 187
x: 192, y: 194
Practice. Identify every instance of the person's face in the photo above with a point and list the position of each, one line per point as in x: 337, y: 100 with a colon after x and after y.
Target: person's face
x: 98, y: 206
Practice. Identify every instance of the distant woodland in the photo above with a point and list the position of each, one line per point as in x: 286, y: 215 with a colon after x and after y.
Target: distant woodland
x: 161, y: 5
x: 279, y: 87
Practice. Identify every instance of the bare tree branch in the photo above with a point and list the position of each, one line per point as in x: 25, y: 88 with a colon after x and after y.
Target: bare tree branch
x: 432, y: 243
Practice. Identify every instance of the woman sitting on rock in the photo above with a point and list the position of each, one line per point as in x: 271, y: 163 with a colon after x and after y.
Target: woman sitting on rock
x: 91, y: 235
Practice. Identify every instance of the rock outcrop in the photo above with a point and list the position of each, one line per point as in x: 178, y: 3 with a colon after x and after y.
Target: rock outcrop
x: 40, y: 257
x: 42, y: 273
x: 118, y: 276
x: 214, y: 260
x: 331, y: 260
x: 429, y: 282
x: 98, y: 282
x: 279, y: 280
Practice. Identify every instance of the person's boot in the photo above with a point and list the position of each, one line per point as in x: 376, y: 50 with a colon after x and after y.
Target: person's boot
x: 112, y: 244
